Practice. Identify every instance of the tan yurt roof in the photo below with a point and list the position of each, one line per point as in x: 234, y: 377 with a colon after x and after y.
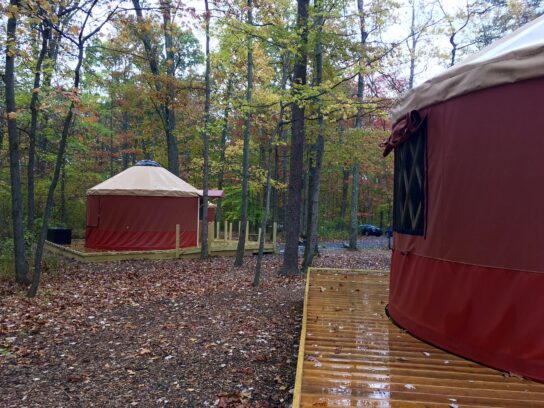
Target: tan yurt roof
x: 145, y: 180
x: 516, y: 57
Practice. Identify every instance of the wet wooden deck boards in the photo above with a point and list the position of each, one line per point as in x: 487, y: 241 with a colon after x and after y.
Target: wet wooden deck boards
x: 351, y: 355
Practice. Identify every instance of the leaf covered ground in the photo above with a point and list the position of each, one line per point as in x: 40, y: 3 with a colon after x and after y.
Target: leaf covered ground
x: 185, y: 333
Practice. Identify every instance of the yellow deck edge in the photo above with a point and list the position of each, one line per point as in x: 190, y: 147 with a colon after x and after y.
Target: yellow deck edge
x: 301, y: 346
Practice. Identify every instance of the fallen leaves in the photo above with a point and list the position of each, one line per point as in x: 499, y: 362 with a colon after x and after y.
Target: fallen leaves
x: 140, y: 333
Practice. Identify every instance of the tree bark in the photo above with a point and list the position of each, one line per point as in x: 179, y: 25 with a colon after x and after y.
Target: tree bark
x: 206, y: 140
x: 2, y: 110
x: 245, y: 160
x: 67, y: 124
x: 292, y: 227
x: 257, y: 277
x: 169, y: 110
x: 412, y: 49
x: 223, y: 146
x: 315, y: 172
x: 345, y: 188
x: 56, y: 175
x: 360, y: 77
x: 354, y: 208
x: 33, y: 127
x: 21, y: 267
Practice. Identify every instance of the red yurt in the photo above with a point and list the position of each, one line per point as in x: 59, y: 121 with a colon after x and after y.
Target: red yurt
x: 467, y: 270
x: 138, y: 209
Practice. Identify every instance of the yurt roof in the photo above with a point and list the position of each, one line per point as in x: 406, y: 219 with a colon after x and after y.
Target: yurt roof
x: 145, y: 180
x: 516, y: 57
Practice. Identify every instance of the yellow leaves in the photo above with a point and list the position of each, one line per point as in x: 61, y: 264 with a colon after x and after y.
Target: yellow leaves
x: 12, y: 11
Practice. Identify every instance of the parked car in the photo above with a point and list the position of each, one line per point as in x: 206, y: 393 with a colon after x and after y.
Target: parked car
x: 369, y: 229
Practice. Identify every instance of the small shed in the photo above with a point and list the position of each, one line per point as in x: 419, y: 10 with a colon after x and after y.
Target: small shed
x: 138, y: 209
x: 467, y: 269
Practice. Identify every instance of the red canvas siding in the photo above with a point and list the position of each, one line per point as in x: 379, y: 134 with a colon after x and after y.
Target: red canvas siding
x: 473, y: 284
x: 140, y: 223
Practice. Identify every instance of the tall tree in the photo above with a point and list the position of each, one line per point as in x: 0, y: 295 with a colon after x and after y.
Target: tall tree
x: 353, y: 226
x: 223, y: 145
x: 247, y: 128
x: 205, y: 137
x: 166, y: 109
x: 292, y: 227
x: 45, y: 32
x: 80, y: 42
x: 21, y: 267
x: 257, y: 277
x: 362, y: 64
x: 458, y: 21
x: 315, y: 171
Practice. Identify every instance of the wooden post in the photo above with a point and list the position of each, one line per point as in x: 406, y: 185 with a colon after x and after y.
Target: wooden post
x: 274, y: 234
x: 177, y: 240
x: 259, y: 235
x: 225, y: 234
x: 217, y: 229
x: 247, y: 231
x: 230, y: 231
x: 239, y: 228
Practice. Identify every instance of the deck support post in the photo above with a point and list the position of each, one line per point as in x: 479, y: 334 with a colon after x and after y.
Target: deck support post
x: 230, y: 231
x: 225, y: 233
x: 274, y: 234
x: 259, y: 235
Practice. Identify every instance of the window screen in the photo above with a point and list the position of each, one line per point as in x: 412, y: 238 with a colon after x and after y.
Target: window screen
x: 409, y: 194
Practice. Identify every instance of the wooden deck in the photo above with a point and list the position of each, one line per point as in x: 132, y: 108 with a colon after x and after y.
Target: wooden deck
x: 78, y: 252
x: 351, y: 355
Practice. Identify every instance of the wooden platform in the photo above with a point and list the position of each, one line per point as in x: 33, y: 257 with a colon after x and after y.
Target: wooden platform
x: 351, y: 355
x: 78, y: 252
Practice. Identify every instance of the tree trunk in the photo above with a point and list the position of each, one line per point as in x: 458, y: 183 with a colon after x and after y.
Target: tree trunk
x: 61, y: 149
x: 353, y: 227
x: 21, y: 268
x: 360, y: 77
x: 223, y: 145
x: 345, y: 188
x: 412, y: 49
x: 283, y: 139
x: 292, y: 225
x: 206, y: 140
x: 56, y: 175
x: 165, y: 110
x: 245, y: 165
x: 63, y: 194
x: 169, y: 110
x: 33, y: 127
x: 2, y: 110
x: 125, y: 127
x: 315, y: 172
x: 257, y: 277
x: 54, y: 41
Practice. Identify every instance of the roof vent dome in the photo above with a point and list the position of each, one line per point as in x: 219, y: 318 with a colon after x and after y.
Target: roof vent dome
x: 148, y: 163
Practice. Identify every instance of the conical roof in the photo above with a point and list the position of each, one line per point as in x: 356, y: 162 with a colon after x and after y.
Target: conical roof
x: 145, y: 180
x: 516, y: 57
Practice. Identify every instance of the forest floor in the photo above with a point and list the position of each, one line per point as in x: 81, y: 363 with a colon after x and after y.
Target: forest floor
x: 185, y: 333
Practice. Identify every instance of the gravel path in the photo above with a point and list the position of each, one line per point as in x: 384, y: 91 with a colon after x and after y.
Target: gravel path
x: 362, y: 243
